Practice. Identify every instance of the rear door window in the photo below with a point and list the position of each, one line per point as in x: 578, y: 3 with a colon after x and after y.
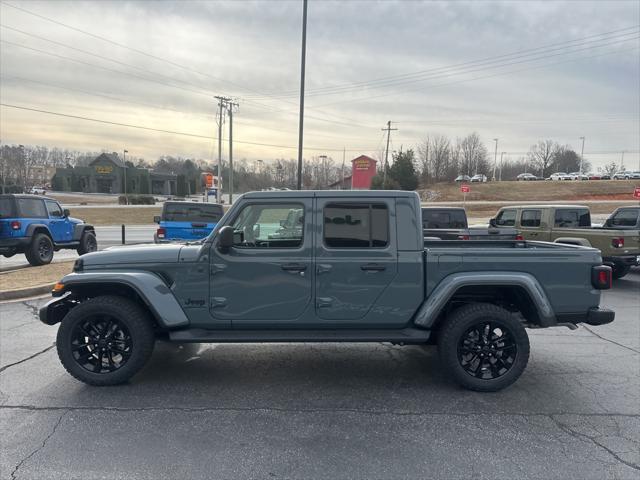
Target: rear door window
x: 351, y: 225
x: 506, y: 218
x: 31, y: 208
x: 530, y: 218
x: 192, y: 212
x: 572, y: 218
x: 439, y: 219
x: 624, y: 218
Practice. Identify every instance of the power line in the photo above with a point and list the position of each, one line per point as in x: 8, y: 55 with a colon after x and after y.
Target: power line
x: 491, y: 59
x: 172, y: 132
x: 361, y: 99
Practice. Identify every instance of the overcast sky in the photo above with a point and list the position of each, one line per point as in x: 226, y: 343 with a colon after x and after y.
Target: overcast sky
x: 516, y: 71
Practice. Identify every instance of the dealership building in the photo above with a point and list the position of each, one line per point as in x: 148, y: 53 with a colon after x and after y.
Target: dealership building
x: 107, y: 173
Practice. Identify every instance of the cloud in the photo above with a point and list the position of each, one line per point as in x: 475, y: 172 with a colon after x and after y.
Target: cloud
x: 251, y: 50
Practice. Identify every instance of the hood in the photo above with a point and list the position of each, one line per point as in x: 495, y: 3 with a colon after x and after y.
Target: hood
x: 134, y: 254
x: 74, y: 220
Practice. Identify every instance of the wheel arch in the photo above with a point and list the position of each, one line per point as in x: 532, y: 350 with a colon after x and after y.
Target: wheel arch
x: 35, y: 228
x: 148, y: 289
x: 514, y: 291
x: 582, y: 242
x: 80, y: 228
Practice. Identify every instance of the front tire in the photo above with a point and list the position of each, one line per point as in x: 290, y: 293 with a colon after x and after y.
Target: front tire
x: 40, y: 250
x: 88, y: 243
x: 484, y: 347
x: 105, y: 340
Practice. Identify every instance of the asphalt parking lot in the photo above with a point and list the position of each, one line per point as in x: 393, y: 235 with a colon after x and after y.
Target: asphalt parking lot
x: 325, y: 411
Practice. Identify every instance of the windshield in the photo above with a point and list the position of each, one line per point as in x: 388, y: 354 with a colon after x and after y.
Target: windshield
x: 192, y: 212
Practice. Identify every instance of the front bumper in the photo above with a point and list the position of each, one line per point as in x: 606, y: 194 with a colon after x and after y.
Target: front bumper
x: 55, y: 309
x: 12, y: 244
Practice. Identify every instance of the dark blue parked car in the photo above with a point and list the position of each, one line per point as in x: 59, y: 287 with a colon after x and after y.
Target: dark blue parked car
x: 184, y: 221
x: 37, y: 226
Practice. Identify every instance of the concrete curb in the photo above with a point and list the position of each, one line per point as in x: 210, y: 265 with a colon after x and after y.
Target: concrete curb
x: 26, y: 292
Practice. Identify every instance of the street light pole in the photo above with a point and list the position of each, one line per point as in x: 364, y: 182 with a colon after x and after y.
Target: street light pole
x: 302, y: 68
x: 495, y: 160
x: 501, y: 156
x: 581, y: 156
x: 124, y: 162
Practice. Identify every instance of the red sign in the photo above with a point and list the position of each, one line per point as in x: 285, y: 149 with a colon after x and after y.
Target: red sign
x: 636, y: 192
x: 465, y: 188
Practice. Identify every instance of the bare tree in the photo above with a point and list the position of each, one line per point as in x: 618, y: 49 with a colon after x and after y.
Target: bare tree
x: 542, y: 154
x: 473, y: 155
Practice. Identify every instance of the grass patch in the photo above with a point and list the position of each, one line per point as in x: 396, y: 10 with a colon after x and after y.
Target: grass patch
x: 34, y: 276
x: 117, y: 215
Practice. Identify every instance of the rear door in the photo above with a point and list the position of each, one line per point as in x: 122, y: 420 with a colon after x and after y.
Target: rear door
x: 356, y: 257
x: 531, y: 225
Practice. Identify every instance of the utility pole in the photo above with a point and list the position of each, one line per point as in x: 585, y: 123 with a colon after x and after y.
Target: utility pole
x: 501, y: 155
x: 302, y: 68
x: 386, y: 154
x: 221, y: 109
x: 344, y: 152
x: 495, y: 160
x: 324, y: 170
x: 124, y: 162
x: 581, y: 156
x: 230, y: 107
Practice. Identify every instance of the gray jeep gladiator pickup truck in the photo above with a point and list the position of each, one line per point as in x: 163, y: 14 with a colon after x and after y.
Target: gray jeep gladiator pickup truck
x: 357, y: 270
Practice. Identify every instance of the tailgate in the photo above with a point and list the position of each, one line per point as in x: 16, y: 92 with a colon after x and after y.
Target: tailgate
x: 187, y: 230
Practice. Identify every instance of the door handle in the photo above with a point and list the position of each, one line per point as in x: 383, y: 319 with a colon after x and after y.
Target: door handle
x: 293, y: 267
x: 372, y: 267
x: 324, y: 302
x: 323, y: 268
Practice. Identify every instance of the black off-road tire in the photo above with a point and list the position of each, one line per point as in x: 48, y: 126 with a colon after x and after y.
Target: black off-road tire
x: 459, y: 323
x: 133, y: 316
x: 40, y: 250
x: 88, y: 243
x: 619, y: 271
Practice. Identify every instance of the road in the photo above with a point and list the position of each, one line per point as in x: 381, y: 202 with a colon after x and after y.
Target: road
x: 108, y: 236
x: 325, y: 411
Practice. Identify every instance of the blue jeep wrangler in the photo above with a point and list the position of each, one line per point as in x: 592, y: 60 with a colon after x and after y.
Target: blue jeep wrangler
x: 37, y: 226
x: 184, y: 221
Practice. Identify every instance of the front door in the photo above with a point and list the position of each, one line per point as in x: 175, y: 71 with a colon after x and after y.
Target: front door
x: 356, y: 258
x: 58, y: 225
x: 267, y: 275
x: 531, y: 225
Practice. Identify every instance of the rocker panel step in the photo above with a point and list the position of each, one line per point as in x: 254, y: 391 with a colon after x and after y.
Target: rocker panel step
x: 198, y: 335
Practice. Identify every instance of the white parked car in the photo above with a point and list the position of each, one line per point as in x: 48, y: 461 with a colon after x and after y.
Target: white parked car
x: 463, y: 178
x: 37, y: 191
x: 526, y: 177
x: 479, y: 178
x: 558, y: 176
x: 627, y: 175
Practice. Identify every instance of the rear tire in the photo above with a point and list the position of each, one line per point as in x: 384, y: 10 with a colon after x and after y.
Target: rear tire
x: 105, y: 340
x: 40, y: 250
x: 484, y: 347
x: 88, y: 243
x: 620, y: 271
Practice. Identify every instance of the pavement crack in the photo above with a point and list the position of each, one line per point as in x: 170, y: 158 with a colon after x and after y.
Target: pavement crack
x: 35, y: 311
x: 608, y: 340
x: 581, y: 436
x: 299, y: 410
x: 44, y: 442
x: 28, y: 358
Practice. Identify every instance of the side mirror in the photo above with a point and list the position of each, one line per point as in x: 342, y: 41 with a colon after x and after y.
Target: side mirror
x: 156, y: 219
x: 66, y: 212
x: 492, y: 223
x: 225, y: 238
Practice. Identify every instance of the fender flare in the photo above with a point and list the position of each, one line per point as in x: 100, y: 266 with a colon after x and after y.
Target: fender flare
x: 33, y: 226
x: 582, y: 242
x: 150, y: 287
x: 78, y: 230
x: 438, y: 299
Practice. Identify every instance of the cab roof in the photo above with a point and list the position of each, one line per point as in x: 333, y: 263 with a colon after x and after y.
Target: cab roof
x: 331, y: 194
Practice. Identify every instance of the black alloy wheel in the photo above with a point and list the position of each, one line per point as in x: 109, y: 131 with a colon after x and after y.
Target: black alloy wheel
x: 487, y: 350
x: 101, y: 344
